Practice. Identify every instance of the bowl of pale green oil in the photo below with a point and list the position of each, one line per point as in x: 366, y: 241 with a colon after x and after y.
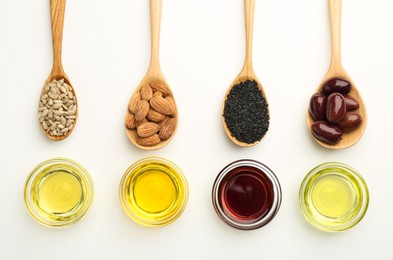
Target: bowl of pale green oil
x: 333, y: 197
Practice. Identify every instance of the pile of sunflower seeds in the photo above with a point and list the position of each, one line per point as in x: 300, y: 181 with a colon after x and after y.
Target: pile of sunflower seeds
x: 57, y: 108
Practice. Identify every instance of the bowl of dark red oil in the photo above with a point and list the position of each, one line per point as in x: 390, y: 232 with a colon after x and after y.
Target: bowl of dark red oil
x: 246, y: 194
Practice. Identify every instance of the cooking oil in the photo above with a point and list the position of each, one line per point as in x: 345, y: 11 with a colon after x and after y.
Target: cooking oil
x: 58, y: 192
x: 246, y: 194
x: 153, y: 192
x: 334, y: 197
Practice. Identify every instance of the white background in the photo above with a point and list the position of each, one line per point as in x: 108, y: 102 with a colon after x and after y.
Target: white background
x: 106, y: 53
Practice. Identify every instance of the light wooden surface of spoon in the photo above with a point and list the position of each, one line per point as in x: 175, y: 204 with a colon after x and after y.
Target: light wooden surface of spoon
x: 336, y: 69
x: 247, y: 73
x: 57, y: 10
x: 154, y: 73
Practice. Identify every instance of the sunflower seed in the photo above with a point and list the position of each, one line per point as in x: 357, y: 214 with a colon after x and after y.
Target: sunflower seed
x: 58, y: 112
x: 44, y: 113
x: 52, y: 95
x: 53, y: 127
x: 57, y: 108
x: 57, y: 105
x: 44, y: 97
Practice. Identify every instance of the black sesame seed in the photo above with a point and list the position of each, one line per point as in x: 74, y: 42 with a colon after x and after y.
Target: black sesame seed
x: 246, y: 112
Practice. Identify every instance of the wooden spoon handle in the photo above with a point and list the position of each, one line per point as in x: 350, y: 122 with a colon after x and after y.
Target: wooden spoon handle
x: 155, y: 18
x: 249, y: 6
x: 335, y: 7
x: 57, y: 9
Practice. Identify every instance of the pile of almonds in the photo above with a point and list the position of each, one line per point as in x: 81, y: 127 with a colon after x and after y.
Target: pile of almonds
x: 57, y: 108
x: 152, y: 114
x: 334, y: 111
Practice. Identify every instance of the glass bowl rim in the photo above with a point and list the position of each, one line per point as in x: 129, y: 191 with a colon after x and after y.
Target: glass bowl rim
x: 363, y: 190
x: 80, y: 172
x: 164, y: 220
x: 276, y: 191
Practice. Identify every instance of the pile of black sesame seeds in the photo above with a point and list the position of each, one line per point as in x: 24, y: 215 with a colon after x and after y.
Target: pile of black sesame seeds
x: 246, y: 112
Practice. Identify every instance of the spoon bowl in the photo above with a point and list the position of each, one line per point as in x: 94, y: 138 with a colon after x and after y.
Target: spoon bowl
x: 247, y: 73
x: 351, y: 138
x: 242, y: 77
x: 336, y: 70
x: 153, y: 75
x: 132, y: 133
x: 57, y: 10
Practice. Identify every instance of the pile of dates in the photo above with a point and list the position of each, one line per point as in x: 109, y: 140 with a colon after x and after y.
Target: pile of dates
x: 334, y: 111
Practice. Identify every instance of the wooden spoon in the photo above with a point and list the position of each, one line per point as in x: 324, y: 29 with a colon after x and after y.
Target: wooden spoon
x: 336, y: 69
x: 154, y: 73
x: 57, y: 9
x: 247, y: 73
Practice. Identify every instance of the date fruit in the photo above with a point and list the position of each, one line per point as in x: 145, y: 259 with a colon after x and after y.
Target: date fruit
x: 325, y: 132
x: 351, y: 121
x: 335, y: 107
x: 336, y: 85
x: 333, y: 111
x: 317, y: 107
x: 351, y: 103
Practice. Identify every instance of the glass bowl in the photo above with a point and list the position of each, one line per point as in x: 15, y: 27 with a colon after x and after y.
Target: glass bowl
x: 246, y: 194
x: 153, y: 192
x: 333, y: 197
x: 58, y: 192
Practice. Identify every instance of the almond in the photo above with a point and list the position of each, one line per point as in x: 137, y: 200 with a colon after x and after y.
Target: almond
x: 138, y: 123
x: 157, y: 93
x: 167, y: 128
x: 130, y: 121
x: 141, y: 110
x: 161, y: 87
x: 155, y: 116
x: 146, y: 92
x: 134, y: 102
x: 172, y: 102
x: 162, y: 105
x: 147, y: 129
x: 149, y: 141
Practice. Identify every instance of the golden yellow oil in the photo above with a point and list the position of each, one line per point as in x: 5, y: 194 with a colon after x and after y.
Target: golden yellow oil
x: 58, y: 192
x: 333, y: 198
x: 153, y: 192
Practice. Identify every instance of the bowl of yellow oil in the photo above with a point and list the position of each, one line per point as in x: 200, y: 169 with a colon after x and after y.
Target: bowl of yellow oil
x: 58, y: 192
x: 153, y: 192
x: 333, y: 197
